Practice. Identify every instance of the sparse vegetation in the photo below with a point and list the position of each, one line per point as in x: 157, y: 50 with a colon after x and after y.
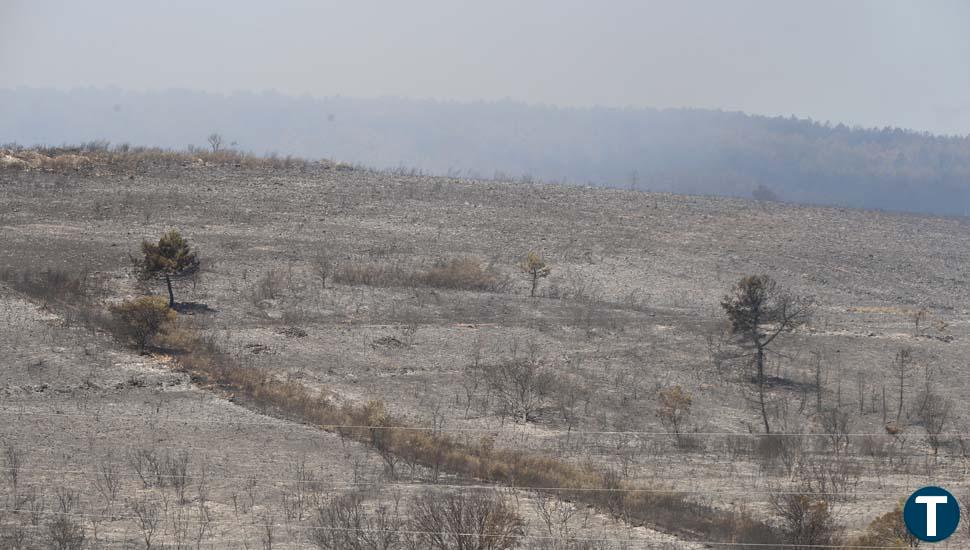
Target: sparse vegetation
x: 48, y: 285
x: 456, y: 274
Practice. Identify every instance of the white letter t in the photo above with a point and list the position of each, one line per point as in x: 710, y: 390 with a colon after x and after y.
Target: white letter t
x: 931, y: 503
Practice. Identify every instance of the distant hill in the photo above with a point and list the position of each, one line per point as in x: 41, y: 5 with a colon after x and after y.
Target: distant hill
x: 679, y: 150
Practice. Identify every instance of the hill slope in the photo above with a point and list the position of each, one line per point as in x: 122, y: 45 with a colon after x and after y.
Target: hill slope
x: 629, y: 310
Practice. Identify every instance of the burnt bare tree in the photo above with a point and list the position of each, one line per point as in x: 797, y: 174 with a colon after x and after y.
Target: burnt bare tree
x: 177, y: 470
x: 673, y: 410
x: 107, y: 481
x: 64, y: 533
x: 918, y: 317
x: 324, y: 265
x: 569, y: 394
x: 901, y: 371
x: 934, y: 415
x: 345, y: 523
x: 13, y: 461
x: 556, y: 515
x: 523, y: 385
x: 215, y: 141
x: 806, y: 522
x: 836, y: 424
x: 148, y: 519
x: 476, y: 521
x: 760, y: 311
x: 819, y: 379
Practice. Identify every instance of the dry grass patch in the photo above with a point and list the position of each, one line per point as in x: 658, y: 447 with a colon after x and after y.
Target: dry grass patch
x: 127, y: 158
x: 464, y: 274
x: 456, y: 274
x: 886, y: 310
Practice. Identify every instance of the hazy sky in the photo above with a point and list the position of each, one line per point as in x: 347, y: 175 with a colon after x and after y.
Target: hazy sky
x: 871, y: 63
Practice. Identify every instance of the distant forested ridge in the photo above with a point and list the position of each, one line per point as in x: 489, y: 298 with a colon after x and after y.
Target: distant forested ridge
x: 678, y: 150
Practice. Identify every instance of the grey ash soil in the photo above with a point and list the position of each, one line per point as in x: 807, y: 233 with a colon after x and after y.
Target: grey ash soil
x: 632, y: 298
x: 73, y: 402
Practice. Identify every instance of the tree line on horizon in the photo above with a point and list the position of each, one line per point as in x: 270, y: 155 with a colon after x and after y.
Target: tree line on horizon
x: 677, y: 150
